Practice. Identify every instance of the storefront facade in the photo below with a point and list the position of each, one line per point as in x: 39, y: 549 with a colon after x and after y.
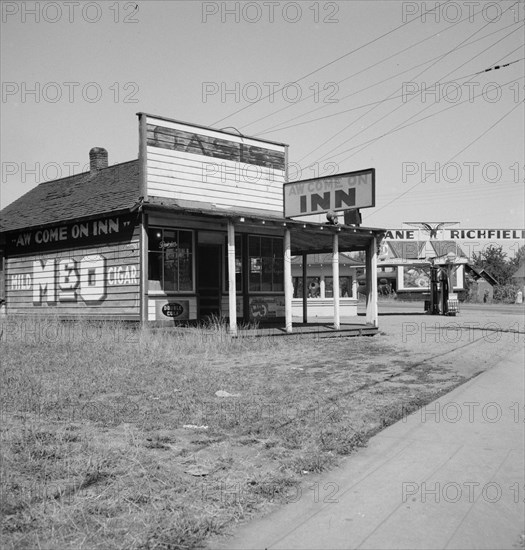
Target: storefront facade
x: 193, y: 228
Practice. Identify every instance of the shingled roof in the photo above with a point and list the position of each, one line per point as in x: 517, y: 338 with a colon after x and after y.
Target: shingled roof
x: 111, y: 189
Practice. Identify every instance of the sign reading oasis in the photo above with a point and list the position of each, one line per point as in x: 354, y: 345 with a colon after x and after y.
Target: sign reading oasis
x: 340, y: 192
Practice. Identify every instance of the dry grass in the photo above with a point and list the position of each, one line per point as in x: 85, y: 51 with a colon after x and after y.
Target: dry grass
x: 114, y: 438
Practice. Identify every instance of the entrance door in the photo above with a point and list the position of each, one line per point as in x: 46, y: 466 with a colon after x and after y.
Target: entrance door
x: 209, y: 279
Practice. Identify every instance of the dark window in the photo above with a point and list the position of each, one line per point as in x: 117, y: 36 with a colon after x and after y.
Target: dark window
x: 313, y: 286
x: 345, y: 287
x: 2, y: 277
x: 170, y: 260
x: 266, y: 264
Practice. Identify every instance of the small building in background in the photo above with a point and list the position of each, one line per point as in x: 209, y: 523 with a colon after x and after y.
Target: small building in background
x: 410, y: 260
x: 482, y: 286
x: 519, y: 276
x: 320, y: 285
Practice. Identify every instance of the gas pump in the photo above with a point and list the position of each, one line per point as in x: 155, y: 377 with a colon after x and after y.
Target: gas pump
x: 444, y: 290
x: 434, y: 290
x: 441, y: 271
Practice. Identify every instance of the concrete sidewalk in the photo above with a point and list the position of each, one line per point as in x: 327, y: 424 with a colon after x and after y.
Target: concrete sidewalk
x: 448, y: 476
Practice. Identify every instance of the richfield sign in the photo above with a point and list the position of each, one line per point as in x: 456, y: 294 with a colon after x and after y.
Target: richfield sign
x: 334, y: 193
x: 454, y: 234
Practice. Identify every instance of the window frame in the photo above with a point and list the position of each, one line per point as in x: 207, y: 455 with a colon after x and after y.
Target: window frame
x: 330, y: 279
x: 161, y: 291
x: 249, y: 264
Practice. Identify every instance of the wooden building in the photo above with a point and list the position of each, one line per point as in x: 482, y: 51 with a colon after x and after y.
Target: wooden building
x: 191, y: 228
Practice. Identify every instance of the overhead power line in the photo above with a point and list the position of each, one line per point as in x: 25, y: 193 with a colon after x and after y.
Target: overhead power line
x: 339, y: 113
x: 437, y: 6
x: 278, y: 127
x: 289, y: 106
x: 452, y: 50
x: 403, y: 124
x: 452, y: 158
x: 398, y: 128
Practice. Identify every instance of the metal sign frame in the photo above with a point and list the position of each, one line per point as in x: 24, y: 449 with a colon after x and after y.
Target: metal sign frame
x: 334, y: 190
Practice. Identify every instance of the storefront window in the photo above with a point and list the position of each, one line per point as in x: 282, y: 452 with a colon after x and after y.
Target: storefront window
x: 313, y: 286
x: 345, y: 287
x: 170, y: 260
x: 266, y: 264
x: 2, y: 278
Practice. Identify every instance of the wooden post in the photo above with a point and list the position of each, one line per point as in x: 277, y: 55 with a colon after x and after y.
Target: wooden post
x: 305, y: 288
x: 288, y: 280
x: 143, y: 154
x: 371, y: 283
x: 232, y: 290
x: 144, y: 267
x: 335, y: 278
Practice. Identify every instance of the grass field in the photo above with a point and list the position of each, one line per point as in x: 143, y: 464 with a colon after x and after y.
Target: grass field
x: 140, y: 439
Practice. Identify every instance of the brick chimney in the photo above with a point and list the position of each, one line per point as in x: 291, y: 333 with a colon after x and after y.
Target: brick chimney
x: 98, y: 159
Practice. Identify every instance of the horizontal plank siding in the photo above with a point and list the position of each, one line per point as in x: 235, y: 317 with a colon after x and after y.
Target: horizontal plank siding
x: 101, y: 281
x: 202, y: 165
x: 193, y: 169
x: 226, y: 184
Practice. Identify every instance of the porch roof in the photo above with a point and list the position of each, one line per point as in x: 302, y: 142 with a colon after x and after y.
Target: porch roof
x: 309, y: 237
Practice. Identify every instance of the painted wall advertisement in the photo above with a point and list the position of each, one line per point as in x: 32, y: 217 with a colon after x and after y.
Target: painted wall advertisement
x: 87, y: 233
x: 418, y: 278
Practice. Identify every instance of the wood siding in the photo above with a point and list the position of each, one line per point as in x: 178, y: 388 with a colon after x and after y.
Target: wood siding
x: 225, y: 306
x: 198, y: 165
x: 99, y: 281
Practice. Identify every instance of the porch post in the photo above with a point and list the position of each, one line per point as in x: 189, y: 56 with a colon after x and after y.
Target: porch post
x: 335, y: 278
x: 288, y: 279
x: 232, y: 290
x: 371, y: 283
x: 144, y: 268
x: 305, y: 289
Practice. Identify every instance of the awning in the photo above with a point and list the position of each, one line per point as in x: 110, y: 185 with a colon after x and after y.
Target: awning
x: 306, y: 237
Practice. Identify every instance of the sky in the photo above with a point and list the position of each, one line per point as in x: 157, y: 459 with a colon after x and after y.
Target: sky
x: 402, y: 87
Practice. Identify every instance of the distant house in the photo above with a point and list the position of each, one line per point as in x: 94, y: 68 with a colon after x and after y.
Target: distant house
x: 484, y: 283
x: 410, y: 262
x: 320, y: 283
x: 519, y: 275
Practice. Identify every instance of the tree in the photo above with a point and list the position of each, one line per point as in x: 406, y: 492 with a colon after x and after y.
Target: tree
x: 495, y: 263
x: 518, y: 259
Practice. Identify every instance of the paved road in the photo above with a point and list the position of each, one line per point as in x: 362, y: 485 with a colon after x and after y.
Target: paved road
x: 451, y: 475
x: 392, y: 306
